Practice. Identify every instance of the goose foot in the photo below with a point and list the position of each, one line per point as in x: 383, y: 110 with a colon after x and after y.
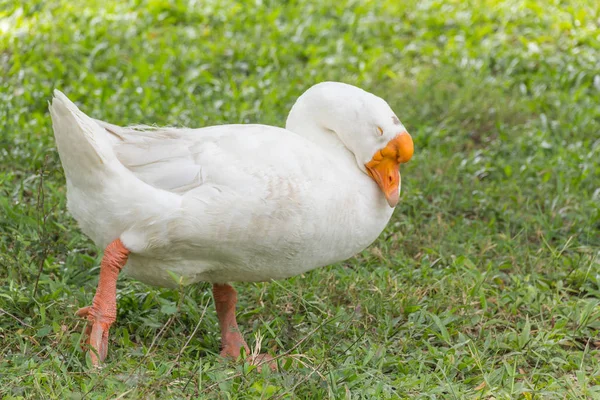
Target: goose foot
x: 103, y: 311
x: 231, y: 338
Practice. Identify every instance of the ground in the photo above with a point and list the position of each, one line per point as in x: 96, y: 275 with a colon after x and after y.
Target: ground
x: 484, y: 285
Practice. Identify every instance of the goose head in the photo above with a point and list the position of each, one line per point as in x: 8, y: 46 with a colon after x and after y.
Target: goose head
x: 335, y: 114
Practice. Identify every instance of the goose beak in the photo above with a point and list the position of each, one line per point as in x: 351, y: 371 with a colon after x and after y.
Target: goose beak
x: 384, y: 165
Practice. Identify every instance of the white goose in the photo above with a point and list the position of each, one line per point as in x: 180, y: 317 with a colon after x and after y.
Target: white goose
x: 231, y: 202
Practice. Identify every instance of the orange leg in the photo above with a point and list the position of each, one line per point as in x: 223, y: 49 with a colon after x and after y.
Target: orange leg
x: 231, y: 338
x: 103, y: 311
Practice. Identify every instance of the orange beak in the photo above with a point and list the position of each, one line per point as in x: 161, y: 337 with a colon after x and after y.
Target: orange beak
x: 384, y: 165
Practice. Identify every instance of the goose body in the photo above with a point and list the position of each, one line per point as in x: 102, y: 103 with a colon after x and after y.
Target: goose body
x: 234, y: 202
x: 237, y: 203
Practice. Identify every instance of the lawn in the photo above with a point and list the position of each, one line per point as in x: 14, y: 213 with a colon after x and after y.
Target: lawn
x: 485, y: 284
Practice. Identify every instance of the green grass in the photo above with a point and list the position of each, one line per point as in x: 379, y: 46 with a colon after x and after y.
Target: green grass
x: 486, y: 284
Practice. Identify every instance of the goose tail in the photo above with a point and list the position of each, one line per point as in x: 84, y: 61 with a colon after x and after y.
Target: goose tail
x: 84, y: 148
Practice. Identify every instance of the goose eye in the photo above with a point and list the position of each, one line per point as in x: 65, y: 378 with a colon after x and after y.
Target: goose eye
x: 380, y: 131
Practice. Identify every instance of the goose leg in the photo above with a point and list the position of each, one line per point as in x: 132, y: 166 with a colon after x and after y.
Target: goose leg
x: 103, y: 311
x: 231, y: 338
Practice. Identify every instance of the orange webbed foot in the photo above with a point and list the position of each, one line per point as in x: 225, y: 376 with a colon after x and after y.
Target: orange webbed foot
x: 103, y: 311
x: 231, y: 338
x: 96, y: 334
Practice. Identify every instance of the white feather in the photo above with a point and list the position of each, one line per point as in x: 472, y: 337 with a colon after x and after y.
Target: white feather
x: 230, y: 202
